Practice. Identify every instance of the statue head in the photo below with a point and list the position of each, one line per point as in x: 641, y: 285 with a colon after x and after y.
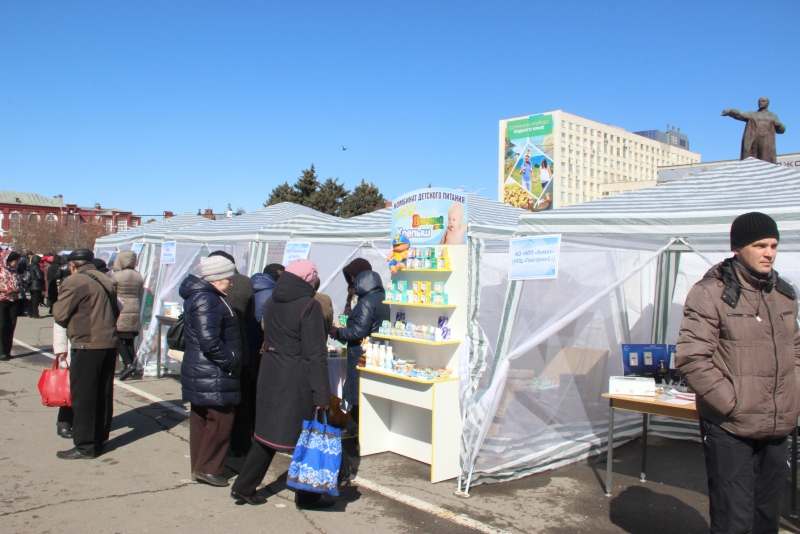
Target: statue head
x: 763, y: 103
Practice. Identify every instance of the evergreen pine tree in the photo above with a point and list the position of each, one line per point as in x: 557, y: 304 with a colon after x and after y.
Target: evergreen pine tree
x: 306, y: 186
x: 328, y: 198
x: 282, y: 193
x: 365, y: 198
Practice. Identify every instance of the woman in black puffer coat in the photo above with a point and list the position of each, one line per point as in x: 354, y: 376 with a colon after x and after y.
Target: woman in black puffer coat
x: 365, y: 320
x: 210, y: 369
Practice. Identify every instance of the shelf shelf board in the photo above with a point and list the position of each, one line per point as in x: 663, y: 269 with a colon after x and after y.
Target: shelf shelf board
x: 419, y: 341
x: 403, y: 377
x: 419, y: 305
x: 407, y: 270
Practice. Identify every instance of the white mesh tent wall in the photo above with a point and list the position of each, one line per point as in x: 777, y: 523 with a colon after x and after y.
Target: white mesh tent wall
x: 239, y: 236
x: 626, y: 265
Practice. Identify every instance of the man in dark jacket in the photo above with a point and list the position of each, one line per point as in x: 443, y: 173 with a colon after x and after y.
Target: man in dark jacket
x: 210, y: 368
x: 350, y: 272
x: 241, y: 298
x: 35, y: 279
x: 364, y: 320
x: 88, y: 310
x: 739, y: 350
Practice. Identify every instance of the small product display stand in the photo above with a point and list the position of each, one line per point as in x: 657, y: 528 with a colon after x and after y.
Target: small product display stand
x: 413, y: 416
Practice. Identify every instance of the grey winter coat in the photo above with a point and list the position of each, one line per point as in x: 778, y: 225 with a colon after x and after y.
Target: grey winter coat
x: 129, y: 291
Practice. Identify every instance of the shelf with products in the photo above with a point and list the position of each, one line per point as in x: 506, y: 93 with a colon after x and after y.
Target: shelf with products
x: 418, y: 341
x: 417, y: 305
x: 413, y: 416
x: 404, y: 377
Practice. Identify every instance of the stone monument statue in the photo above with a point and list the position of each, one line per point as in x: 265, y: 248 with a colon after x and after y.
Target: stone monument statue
x: 758, y: 140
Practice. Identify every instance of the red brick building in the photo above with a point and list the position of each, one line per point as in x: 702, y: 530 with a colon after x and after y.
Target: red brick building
x: 16, y: 206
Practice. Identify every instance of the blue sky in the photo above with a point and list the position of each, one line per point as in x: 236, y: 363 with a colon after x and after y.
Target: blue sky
x: 155, y: 106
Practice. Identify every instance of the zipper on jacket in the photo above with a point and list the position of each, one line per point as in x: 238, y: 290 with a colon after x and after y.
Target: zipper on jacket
x: 775, y: 345
x: 757, y: 317
x: 784, y: 314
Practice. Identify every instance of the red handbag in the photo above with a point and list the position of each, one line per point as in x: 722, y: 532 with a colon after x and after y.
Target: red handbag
x: 54, y: 386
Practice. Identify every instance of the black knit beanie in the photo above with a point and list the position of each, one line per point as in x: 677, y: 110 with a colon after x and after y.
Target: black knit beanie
x: 752, y: 227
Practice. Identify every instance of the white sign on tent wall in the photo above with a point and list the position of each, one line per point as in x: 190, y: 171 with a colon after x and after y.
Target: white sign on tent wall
x: 295, y: 251
x: 275, y: 252
x: 169, y: 251
x: 534, y: 258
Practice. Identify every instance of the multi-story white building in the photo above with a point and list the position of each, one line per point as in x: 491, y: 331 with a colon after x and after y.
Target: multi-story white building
x: 586, y: 160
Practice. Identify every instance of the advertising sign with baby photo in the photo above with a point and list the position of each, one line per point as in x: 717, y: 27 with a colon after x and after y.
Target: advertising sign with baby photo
x: 432, y: 216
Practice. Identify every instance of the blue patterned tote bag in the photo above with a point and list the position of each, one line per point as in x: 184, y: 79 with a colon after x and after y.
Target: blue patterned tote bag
x: 317, y: 459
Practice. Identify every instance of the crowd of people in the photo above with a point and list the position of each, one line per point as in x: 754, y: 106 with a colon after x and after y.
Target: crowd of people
x: 255, y: 360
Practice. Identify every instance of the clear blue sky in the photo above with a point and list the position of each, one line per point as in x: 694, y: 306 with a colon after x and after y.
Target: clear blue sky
x: 180, y: 105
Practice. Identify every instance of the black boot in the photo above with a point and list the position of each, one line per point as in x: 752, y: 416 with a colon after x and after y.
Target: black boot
x: 127, y: 372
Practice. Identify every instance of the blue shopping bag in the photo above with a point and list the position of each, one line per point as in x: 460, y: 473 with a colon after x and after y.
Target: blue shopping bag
x: 317, y: 459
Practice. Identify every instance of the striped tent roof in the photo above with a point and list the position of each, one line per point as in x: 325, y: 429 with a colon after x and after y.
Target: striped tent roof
x: 699, y: 206
x: 247, y: 227
x: 154, y: 232
x: 487, y: 219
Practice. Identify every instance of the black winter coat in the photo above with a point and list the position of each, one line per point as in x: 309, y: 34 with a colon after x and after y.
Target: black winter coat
x: 36, y: 276
x: 213, y: 356
x: 293, y: 377
x: 370, y: 311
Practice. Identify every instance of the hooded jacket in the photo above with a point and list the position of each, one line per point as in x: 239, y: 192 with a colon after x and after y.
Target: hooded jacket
x: 739, y: 350
x: 35, y: 276
x: 129, y: 291
x: 370, y: 311
x: 213, y: 355
x: 293, y: 377
x: 351, y: 272
x: 263, y: 285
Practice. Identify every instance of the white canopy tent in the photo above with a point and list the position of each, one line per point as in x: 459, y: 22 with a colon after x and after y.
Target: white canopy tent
x: 625, y: 267
x: 239, y: 236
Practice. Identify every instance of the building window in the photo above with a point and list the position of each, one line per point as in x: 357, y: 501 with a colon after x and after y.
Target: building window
x: 563, y: 136
x: 570, y: 182
x: 563, y: 169
x: 563, y: 196
x: 51, y: 217
x: 109, y: 225
x: 122, y: 225
x: 585, y: 129
x: 563, y: 182
x: 570, y: 197
x: 136, y: 223
x: 570, y: 126
x: 34, y: 217
x: 563, y: 151
x: 563, y: 124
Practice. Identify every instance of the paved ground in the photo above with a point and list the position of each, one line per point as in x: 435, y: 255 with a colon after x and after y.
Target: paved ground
x: 141, y: 483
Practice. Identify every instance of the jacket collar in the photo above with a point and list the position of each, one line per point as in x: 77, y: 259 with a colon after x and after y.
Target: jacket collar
x: 736, y: 277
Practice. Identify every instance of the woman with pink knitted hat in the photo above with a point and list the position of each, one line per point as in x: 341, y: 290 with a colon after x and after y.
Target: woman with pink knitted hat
x: 292, y: 380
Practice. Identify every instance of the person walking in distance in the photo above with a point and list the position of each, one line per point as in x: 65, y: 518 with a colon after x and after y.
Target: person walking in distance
x: 738, y: 349
x: 210, y: 368
x: 35, y: 286
x: 87, y: 308
x: 129, y: 289
x: 10, y: 288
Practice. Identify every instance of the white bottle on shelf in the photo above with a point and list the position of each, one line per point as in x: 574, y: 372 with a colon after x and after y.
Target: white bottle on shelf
x: 389, y: 358
x: 382, y: 357
x: 368, y: 351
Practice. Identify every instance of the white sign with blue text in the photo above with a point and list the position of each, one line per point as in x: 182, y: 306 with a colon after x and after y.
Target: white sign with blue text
x: 295, y: 251
x: 169, y: 250
x: 534, y: 257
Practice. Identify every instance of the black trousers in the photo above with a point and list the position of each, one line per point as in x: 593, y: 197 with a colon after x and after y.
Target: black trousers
x: 242, y: 421
x: 255, y: 468
x: 746, y: 478
x: 125, y: 347
x: 65, y: 417
x: 36, y: 300
x: 91, y: 377
x: 8, y: 323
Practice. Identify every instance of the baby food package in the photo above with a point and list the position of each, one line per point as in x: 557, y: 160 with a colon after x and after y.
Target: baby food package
x: 415, y: 286
x: 437, y: 287
x: 390, y: 285
x: 401, y: 285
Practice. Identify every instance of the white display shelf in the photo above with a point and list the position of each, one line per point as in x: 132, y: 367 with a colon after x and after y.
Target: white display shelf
x: 404, y: 377
x: 432, y: 306
x: 418, y: 341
